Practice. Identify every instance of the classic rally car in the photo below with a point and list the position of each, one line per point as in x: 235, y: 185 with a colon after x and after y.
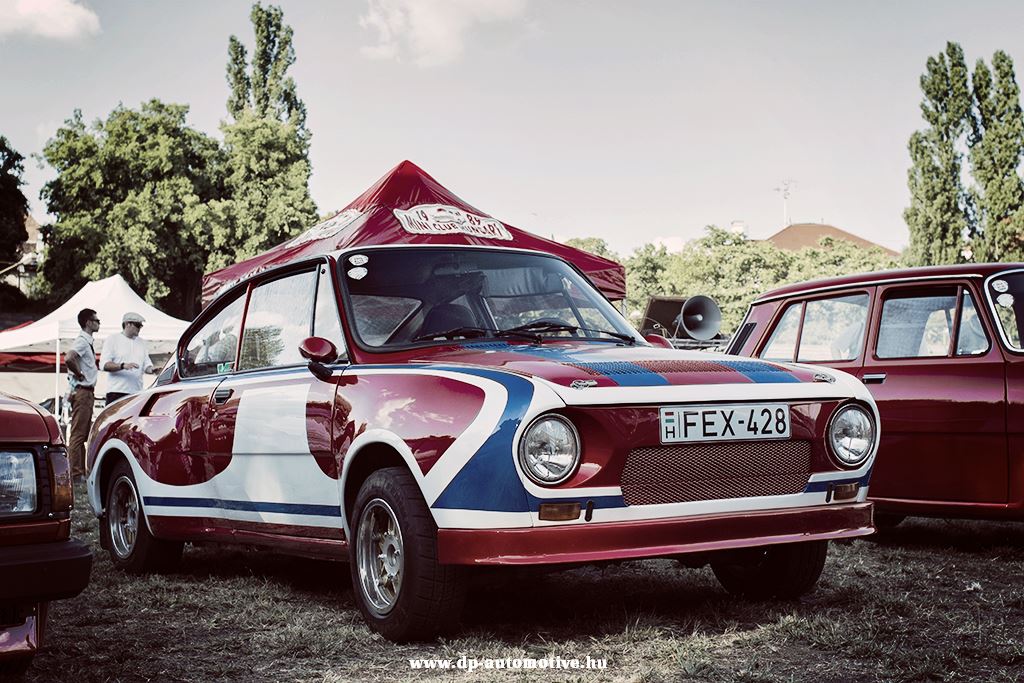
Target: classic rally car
x: 422, y: 410
x: 39, y: 562
x: 940, y: 349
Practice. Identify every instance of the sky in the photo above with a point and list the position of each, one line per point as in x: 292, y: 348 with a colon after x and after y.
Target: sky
x: 635, y: 122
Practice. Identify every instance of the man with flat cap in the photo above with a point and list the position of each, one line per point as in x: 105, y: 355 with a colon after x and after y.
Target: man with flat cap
x: 125, y: 357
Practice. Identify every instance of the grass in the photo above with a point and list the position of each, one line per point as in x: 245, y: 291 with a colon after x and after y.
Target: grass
x: 931, y: 601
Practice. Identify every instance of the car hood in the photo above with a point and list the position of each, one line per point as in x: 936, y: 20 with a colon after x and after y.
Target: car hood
x: 22, y: 422
x: 612, y: 365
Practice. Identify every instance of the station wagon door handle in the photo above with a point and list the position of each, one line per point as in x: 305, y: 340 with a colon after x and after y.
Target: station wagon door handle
x: 221, y: 396
x: 876, y: 378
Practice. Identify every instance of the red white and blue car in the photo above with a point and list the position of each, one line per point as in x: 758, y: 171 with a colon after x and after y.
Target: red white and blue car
x: 422, y: 410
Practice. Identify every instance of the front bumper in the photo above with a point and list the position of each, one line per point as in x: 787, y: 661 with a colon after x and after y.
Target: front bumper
x: 42, y: 572
x: 652, y: 538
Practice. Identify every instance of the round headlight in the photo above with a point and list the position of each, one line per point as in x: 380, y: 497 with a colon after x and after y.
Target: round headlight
x: 549, y: 450
x: 851, y: 435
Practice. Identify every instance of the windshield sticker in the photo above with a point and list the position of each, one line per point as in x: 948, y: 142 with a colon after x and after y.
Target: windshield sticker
x: 1000, y: 285
x: 359, y: 259
x: 329, y: 228
x: 440, y: 219
x: 1005, y: 300
x: 357, y: 273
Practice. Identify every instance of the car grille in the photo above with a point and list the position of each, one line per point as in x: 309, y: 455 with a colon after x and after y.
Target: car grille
x: 692, y: 472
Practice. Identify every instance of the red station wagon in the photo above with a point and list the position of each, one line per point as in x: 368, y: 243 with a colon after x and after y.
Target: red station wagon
x: 941, y: 350
x: 39, y: 562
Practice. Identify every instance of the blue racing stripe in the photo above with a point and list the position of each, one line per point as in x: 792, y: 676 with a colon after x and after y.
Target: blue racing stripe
x: 245, y: 505
x: 624, y: 373
x: 759, y: 372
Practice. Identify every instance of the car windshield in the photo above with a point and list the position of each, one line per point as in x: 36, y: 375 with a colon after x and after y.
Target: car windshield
x: 1006, y: 293
x: 408, y: 295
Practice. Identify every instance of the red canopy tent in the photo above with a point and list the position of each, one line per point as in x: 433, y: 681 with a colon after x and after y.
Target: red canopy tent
x: 407, y: 206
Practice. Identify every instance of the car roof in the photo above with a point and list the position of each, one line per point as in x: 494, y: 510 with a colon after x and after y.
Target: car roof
x: 980, y: 270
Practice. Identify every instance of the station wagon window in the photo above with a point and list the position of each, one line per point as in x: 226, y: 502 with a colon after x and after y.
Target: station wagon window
x: 279, y: 317
x: 212, y: 349
x: 833, y: 329
x: 1006, y: 293
x: 920, y: 324
x: 782, y: 345
x: 326, y: 322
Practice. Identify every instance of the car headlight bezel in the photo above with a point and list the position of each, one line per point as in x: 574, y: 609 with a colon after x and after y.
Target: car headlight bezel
x: 531, y: 465
x: 19, y: 488
x: 839, y: 430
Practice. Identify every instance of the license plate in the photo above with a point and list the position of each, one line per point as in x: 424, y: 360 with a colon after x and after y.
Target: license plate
x: 724, y: 423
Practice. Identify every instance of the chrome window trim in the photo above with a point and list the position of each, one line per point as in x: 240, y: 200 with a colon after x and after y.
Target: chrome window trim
x: 866, y: 283
x: 992, y: 309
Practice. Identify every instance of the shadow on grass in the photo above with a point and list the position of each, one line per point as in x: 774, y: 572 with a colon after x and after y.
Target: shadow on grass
x: 966, y: 536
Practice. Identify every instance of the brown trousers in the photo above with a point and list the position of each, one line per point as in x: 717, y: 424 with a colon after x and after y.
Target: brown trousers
x: 81, y: 422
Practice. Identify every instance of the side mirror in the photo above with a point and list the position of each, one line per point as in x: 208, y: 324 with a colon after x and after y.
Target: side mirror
x: 319, y: 351
x: 657, y: 340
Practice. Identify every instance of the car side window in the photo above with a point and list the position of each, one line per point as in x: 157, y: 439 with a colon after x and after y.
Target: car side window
x: 326, y: 322
x: 212, y: 349
x: 279, y: 317
x: 782, y: 345
x: 920, y: 324
x: 833, y: 329
x: 972, y: 339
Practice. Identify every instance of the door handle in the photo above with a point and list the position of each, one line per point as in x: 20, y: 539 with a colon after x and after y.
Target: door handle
x: 221, y: 396
x: 875, y: 378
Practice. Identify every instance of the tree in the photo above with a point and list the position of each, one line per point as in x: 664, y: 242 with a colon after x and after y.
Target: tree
x: 593, y: 245
x: 645, y: 276
x: 996, y: 149
x: 133, y: 195
x: 13, y: 204
x: 266, y: 145
x: 941, y: 214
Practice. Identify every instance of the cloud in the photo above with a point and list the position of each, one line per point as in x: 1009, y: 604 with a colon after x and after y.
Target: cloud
x: 57, y: 19
x: 430, y: 32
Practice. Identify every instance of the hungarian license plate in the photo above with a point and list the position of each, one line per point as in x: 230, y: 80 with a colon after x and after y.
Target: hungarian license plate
x: 724, y: 423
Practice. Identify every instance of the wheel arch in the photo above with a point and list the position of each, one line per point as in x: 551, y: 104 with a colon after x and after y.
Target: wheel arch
x: 372, y: 451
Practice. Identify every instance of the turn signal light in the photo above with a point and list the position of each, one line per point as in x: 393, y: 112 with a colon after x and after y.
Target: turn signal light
x: 845, y: 491
x: 559, y: 512
x: 63, y: 499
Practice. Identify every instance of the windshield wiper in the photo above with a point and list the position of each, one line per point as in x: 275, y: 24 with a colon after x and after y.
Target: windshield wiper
x: 541, y: 326
x: 467, y: 332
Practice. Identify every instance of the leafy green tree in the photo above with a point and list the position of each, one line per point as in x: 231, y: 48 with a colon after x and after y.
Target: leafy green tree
x: 996, y: 150
x: 594, y: 245
x: 132, y: 196
x: 13, y: 204
x: 645, y: 276
x: 266, y: 147
x: 940, y: 215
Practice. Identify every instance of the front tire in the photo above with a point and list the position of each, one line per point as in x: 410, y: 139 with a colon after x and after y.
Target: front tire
x: 784, y: 571
x: 125, y: 532
x: 402, y: 591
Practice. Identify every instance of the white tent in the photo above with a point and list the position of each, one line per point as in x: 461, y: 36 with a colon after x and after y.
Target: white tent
x: 111, y: 298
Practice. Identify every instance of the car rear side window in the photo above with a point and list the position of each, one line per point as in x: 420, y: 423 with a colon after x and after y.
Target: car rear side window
x: 279, y: 317
x: 212, y: 349
x: 921, y: 324
x: 1006, y: 293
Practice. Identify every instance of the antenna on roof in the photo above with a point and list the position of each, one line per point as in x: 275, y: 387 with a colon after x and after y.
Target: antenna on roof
x: 784, y: 189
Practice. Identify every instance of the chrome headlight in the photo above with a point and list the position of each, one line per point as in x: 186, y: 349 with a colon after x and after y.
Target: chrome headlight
x: 17, y: 482
x: 851, y: 434
x: 549, y: 450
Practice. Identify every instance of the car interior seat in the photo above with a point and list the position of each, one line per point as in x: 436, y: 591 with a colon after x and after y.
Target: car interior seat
x: 444, y: 317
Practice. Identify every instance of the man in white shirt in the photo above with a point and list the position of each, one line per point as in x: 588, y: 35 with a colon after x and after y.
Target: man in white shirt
x: 81, y: 362
x: 125, y: 358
